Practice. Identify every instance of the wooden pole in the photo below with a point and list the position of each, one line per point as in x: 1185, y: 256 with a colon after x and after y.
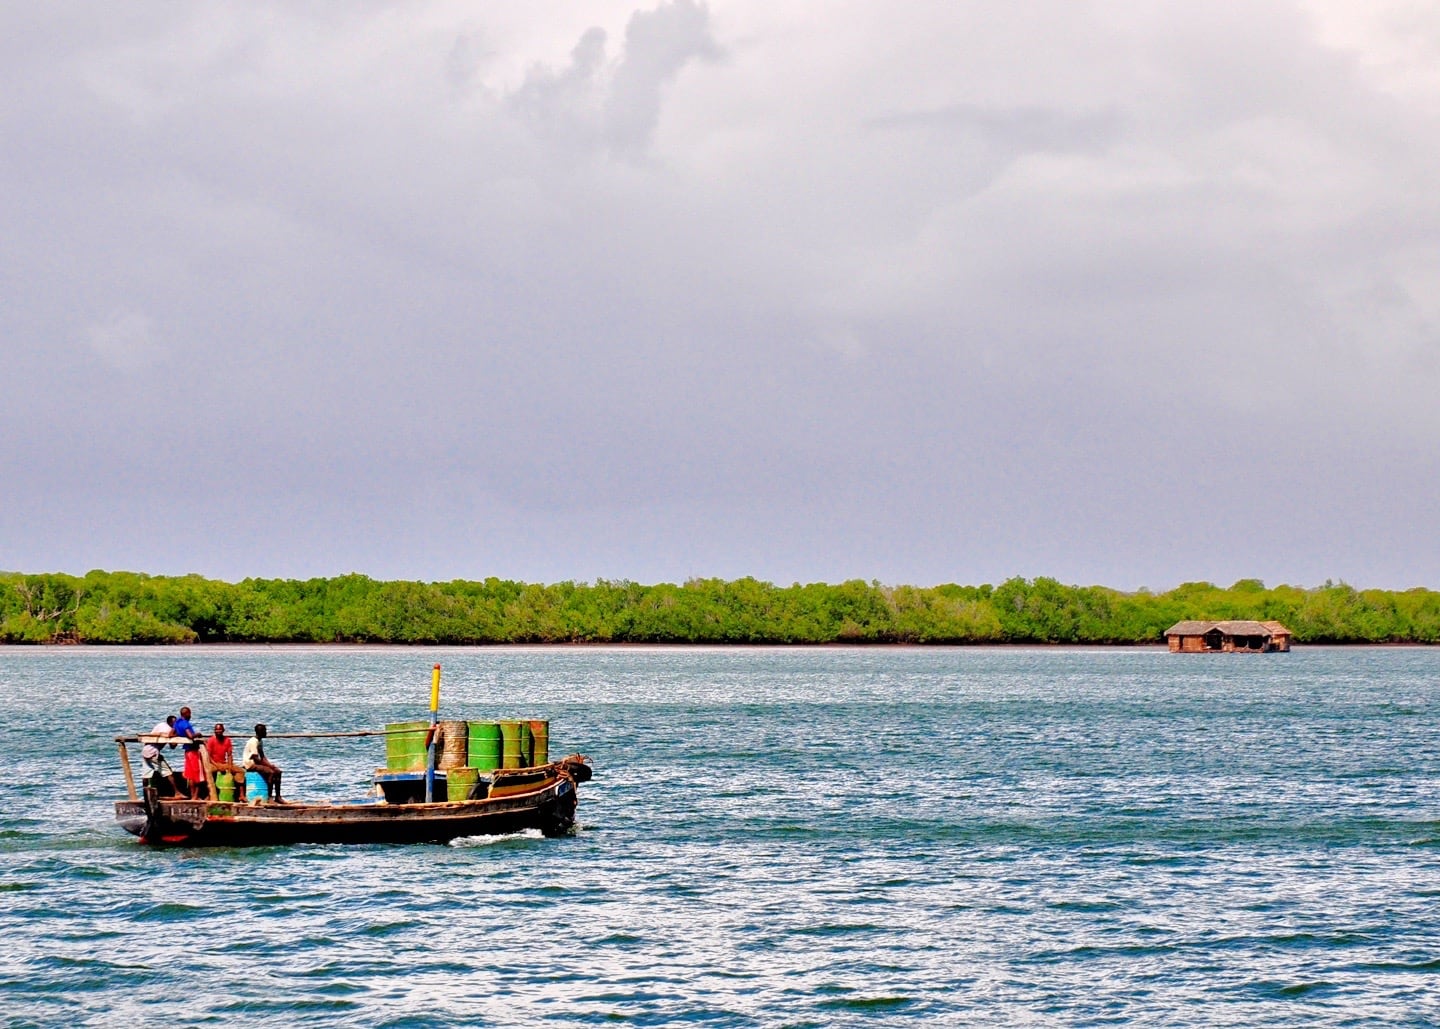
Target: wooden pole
x: 129, y: 775
x: 209, y: 773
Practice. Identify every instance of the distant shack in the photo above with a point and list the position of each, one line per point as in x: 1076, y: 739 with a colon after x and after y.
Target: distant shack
x: 1227, y: 637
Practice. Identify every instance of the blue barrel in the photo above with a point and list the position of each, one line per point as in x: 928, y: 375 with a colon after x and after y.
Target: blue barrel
x: 255, y: 788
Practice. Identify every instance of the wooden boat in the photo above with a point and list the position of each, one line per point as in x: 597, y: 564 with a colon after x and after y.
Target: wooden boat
x: 510, y: 800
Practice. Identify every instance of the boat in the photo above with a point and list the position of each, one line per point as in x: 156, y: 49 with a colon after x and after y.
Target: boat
x: 542, y: 798
x: 409, y: 805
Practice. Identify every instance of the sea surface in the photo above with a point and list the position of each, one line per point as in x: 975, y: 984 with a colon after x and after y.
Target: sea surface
x: 774, y: 837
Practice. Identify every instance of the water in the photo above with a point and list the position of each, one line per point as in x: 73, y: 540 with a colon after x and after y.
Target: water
x: 773, y: 838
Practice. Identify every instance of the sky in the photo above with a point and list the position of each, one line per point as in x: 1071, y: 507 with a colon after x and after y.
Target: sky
x: 1128, y: 293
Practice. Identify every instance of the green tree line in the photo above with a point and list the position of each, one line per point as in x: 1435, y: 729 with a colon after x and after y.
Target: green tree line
x: 128, y: 607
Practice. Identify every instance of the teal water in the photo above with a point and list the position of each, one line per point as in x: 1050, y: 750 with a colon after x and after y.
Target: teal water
x: 773, y: 838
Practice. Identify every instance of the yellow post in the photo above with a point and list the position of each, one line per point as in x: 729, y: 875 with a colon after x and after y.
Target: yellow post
x: 430, y: 746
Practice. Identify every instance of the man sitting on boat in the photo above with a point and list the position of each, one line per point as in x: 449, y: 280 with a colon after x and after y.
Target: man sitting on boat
x: 256, y: 761
x: 221, y: 751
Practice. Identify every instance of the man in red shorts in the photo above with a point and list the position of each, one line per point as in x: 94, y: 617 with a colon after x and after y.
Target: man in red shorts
x: 194, y: 772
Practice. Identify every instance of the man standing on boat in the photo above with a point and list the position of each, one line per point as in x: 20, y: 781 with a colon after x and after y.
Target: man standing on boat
x: 194, y: 770
x: 152, y: 760
x: 255, y: 761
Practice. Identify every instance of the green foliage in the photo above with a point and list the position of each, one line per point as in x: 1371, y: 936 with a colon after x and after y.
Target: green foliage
x: 106, y: 624
x: 128, y: 607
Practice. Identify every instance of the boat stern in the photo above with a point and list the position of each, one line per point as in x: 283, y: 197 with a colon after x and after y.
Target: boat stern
x: 131, y: 816
x: 164, y: 822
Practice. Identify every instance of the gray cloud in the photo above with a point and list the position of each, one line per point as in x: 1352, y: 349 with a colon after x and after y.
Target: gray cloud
x: 658, y: 44
x: 658, y: 290
x: 594, y: 101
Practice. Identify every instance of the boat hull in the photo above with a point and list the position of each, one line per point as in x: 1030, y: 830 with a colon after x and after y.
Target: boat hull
x: 189, y: 823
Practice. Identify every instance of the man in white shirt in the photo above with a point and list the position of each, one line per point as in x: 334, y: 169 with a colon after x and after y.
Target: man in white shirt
x: 151, y: 758
x: 256, y: 761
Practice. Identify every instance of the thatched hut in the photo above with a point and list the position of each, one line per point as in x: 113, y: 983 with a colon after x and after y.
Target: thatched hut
x: 1227, y: 637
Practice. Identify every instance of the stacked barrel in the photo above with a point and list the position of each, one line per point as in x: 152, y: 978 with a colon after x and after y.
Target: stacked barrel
x: 523, y: 743
x: 486, y: 747
x: 405, y: 745
x: 466, y: 750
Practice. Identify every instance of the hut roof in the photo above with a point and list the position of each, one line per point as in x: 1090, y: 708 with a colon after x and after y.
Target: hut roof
x: 1238, y: 627
x: 1190, y: 628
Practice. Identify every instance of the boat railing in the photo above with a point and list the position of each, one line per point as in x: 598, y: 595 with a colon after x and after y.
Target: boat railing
x: 205, y: 763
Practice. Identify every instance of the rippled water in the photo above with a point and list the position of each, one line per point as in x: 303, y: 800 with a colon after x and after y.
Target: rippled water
x: 774, y: 837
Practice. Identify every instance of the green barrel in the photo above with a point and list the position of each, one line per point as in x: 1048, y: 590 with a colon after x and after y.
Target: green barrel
x: 486, y: 749
x: 540, y: 741
x: 458, y: 782
x: 225, y: 787
x: 405, y: 745
x: 516, y: 739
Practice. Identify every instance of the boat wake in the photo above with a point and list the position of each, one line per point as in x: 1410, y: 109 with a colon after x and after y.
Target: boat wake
x: 490, y: 841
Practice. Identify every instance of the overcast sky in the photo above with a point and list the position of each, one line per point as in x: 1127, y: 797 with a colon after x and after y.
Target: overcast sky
x: 1118, y: 292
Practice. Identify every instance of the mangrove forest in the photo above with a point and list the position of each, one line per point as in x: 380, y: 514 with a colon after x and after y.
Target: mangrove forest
x: 128, y: 607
